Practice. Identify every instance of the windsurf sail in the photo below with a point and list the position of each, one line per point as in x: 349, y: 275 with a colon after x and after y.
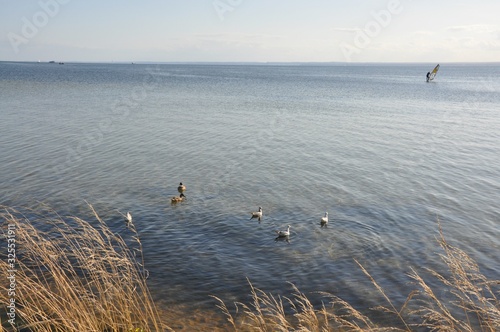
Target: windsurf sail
x: 433, y: 73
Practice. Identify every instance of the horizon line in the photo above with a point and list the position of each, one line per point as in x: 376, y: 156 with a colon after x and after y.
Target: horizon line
x: 250, y: 62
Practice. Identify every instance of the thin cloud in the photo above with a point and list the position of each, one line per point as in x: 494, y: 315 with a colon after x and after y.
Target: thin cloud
x: 347, y: 29
x: 424, y: 33
x: 476, y: 28
x: 237, y: 37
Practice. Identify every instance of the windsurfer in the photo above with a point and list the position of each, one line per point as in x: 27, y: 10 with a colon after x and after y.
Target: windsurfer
x: 428, y: 75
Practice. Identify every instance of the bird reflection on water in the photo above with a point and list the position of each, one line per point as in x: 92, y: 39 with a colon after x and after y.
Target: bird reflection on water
x: 282, y: 238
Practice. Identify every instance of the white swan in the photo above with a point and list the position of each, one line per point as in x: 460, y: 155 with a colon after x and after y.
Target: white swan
x: 324, y: 220
x: 181, y: 188
x: 257, y: 214
x: 284, y: 233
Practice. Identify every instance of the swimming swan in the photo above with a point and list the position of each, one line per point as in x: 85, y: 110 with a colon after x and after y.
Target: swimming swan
x: 257, y: 214
x: 324, y: 220
x: 284, y: 233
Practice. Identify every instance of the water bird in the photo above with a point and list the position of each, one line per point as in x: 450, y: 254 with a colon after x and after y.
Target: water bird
x: 257, y: 214
x: 181, y: 188
x: 324, y: 220
x: 284, y: 233
x: 129, y: 217
x: 178, y: 199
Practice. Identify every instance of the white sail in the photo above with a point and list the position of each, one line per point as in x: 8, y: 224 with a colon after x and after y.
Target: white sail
x: 433, y: 73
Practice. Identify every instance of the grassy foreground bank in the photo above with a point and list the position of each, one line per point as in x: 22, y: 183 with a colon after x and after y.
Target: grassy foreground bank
x: 77, y: 276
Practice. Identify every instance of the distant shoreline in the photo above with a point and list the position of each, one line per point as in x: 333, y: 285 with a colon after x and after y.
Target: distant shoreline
x: 271, y: 63
x: 236, y: 63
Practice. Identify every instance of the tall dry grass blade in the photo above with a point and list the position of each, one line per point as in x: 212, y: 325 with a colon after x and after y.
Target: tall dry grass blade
x: 75, y: 276
x: 434, y: 312
x: 305, y: 313
x: 222, y: 306
x: 345, y: 316
x: 474, y: 294
x: 382, y: 292
x: 268, y: 312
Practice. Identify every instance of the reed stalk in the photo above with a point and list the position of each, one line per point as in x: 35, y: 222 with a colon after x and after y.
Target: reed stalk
x: 76, y: 276
x: 474, y: 304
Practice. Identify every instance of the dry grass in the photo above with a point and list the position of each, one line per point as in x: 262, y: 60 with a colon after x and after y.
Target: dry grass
x: 473, y: 306
x: 79, y: 277
x: 76, y: 277
x: 267, y: 313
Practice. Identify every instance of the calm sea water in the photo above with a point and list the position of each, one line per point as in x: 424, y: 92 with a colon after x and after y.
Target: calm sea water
x: 384, y: 152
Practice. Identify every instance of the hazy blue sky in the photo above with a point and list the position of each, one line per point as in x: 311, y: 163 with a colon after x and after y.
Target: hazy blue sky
x: 250, y: 30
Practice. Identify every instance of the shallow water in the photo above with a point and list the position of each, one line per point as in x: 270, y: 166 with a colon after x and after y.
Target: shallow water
x: 384, y: 152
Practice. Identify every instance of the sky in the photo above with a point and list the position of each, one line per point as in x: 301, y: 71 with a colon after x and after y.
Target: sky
x: 250, y: 30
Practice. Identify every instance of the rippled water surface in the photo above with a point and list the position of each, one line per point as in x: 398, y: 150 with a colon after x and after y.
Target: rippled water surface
x: 384, y: 152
